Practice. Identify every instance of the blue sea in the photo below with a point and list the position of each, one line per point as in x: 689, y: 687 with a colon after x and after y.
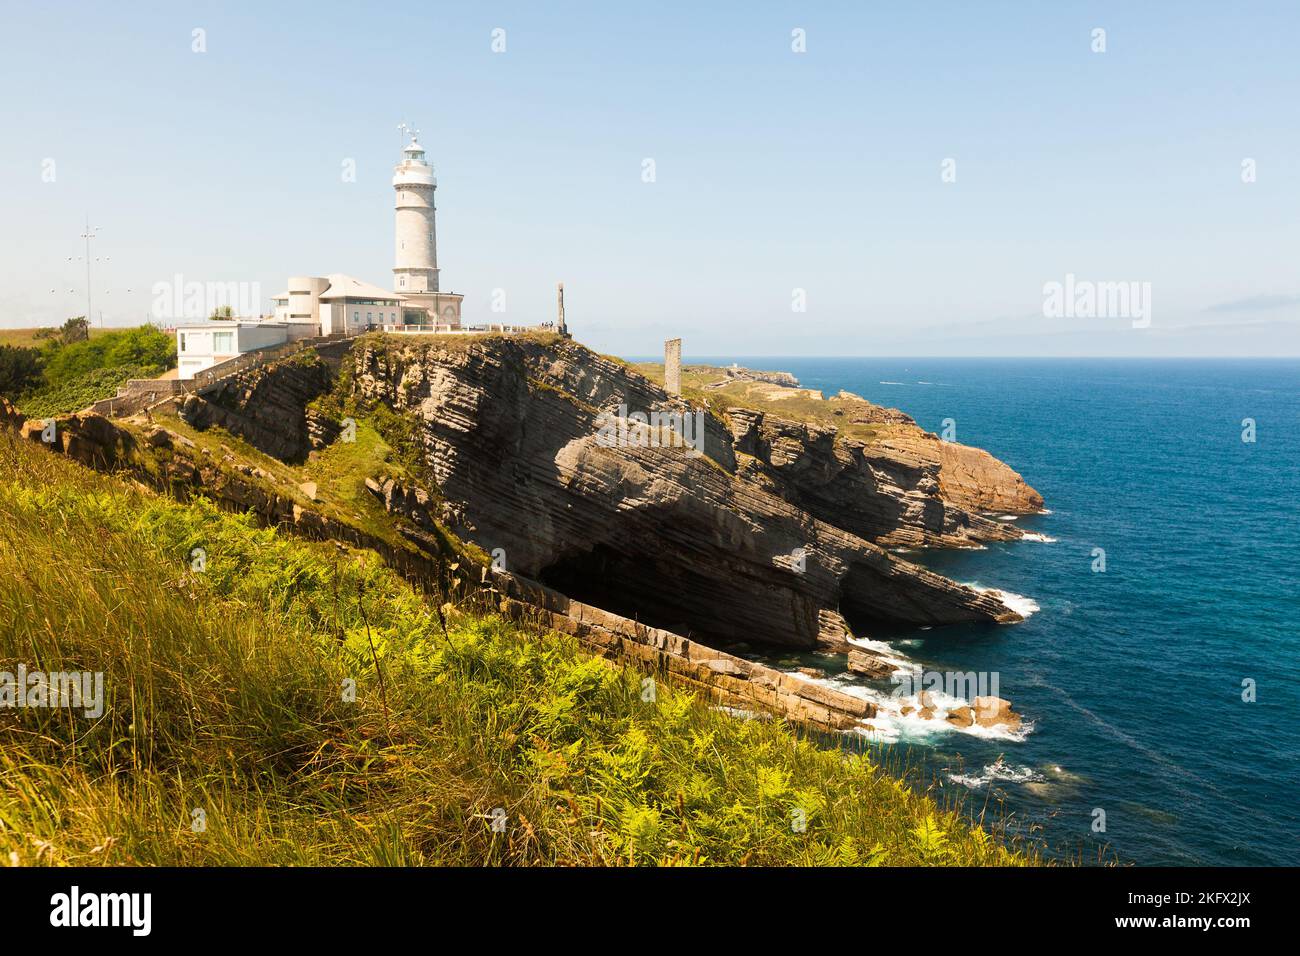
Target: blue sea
x: 1132, y: 677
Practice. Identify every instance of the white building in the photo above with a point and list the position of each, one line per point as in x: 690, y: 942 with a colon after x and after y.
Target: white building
x: 201, y: 345
x: 415, y: 268
x: 339, y: 304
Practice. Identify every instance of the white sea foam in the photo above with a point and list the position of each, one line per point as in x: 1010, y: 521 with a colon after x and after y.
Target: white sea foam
x: 1005, y: 517
x: 1035, y: 536
x: 1024, y: 606
x: 999, y: 770
x: 890, y: 724
x: 893, y: 383
x: 885, y: 653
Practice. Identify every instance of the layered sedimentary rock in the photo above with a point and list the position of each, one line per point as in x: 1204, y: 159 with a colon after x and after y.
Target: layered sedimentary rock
x: 513, y: 429
x: 267, y: 406
x: 969, y: 478
x: 890, y: 498
x: 731, y: 681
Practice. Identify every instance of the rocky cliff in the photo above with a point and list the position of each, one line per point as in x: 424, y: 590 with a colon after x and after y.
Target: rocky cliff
x: 515, y: 432
x: 267, y: 406
x: 768, y: 530
x: 875, y: 490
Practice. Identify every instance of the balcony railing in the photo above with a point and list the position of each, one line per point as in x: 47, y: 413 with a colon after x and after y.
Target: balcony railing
x: 441, y: 329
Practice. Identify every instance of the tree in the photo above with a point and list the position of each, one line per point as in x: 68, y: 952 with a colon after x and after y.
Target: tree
x: 20, y: 369
x: 222, y: 312
x: 75, y: 330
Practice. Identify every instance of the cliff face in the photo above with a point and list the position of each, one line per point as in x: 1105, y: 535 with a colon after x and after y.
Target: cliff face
x: 266, y: 406
x: 693, y: 543
x: 969, y: 478
x: 881, y: 494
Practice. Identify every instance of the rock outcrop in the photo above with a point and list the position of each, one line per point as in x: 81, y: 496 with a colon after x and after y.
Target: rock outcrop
x: 969, y: 478
x: 891, y: 499
x: 766, y: 531
x: 267, y: 406
x: 735, y: 373
x: 511, y: 431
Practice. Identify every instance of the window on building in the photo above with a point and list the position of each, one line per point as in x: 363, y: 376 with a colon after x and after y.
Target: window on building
x: 183, y: 342
x: 401, y: 282
x: 356, y: 316
x: 223, y: 343
x: 370, y: 316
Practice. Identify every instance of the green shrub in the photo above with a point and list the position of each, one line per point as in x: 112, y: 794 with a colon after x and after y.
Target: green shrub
x: 142, y: 347
x: 20, y: 370
x: 82, y: 391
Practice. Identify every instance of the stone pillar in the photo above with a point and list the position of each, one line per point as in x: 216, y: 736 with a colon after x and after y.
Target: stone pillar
x: 673, y: 366
x: 560, y: 327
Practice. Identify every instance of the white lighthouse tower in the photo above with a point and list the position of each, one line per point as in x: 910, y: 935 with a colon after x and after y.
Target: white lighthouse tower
x: 415, y: 269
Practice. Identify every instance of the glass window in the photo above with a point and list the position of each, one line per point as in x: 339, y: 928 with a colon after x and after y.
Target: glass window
x: 182, y: 341
x: 370, y: 316
x: 223, y: 343
x: 356, y: 316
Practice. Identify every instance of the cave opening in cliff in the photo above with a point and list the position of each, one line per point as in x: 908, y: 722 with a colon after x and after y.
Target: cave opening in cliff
x: 872, y: 603
x: 629, y: 586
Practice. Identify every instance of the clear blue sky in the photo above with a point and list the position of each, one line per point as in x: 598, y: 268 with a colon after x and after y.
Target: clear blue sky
x: 775, y: 170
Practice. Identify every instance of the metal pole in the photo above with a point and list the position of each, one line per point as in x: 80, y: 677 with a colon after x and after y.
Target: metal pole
x: 88, y: 235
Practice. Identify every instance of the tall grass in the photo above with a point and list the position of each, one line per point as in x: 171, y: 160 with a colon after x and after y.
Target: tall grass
x: 227, y: 692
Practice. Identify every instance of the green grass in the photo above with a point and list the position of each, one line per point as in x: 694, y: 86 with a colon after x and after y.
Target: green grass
x: 225, y: 692
x: 800, y: 405
x: 339, y: 471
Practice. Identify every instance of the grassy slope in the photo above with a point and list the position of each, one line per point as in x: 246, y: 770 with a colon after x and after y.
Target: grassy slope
x: 794, y: 404
x: 224, y: 694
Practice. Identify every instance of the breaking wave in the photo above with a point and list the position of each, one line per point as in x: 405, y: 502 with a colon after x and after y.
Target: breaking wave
x: 999, y: 770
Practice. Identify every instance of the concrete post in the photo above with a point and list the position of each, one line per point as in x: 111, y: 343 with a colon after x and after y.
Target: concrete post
x: 673, y: 366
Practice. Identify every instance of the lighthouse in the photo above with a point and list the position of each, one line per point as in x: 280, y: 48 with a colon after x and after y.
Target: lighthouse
x: 415, y: 268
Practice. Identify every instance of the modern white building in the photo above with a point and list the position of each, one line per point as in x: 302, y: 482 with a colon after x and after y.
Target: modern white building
x: 201, y: 345
x: 337, y: 304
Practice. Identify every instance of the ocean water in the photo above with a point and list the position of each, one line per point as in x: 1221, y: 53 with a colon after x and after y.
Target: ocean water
x: 1132, y: 679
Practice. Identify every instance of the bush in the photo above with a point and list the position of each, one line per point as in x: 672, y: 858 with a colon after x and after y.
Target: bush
x: 82, y: 391
x: 20, y: 370
x: 141, y: 348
